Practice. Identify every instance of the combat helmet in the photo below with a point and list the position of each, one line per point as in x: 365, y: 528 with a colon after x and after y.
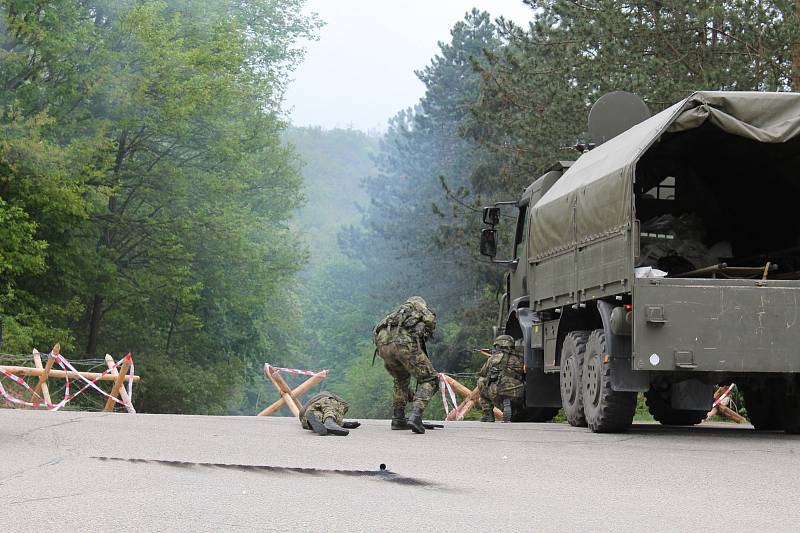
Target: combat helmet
x: 504, y: 342
x: 418, y: 303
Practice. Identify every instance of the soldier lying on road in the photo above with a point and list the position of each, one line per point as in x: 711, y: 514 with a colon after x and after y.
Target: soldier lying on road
x: 324, y: 414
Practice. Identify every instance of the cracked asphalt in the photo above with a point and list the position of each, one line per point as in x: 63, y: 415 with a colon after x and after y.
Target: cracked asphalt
x: 102, y: 471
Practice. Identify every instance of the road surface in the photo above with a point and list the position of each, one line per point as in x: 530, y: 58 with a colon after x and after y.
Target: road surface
x: 101, y: 472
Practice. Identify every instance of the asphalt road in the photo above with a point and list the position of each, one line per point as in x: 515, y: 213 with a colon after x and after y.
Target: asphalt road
x: 101, y: 472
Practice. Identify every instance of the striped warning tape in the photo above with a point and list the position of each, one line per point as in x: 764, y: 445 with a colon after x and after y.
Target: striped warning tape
x: 268, y: 366
x: 66, y: 366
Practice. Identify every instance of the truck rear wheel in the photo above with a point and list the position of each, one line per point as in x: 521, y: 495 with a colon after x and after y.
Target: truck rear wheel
x: 572, y: 355
x: 661, y: 409
x: 606, y: 410
x: 764, y: 407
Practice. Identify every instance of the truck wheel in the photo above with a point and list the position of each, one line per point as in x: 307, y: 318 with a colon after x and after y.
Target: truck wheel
x: 763, y: 408
x: 572, y: 355
x: 659, y: 406
x: 607, y: 410
x: 534, y: 414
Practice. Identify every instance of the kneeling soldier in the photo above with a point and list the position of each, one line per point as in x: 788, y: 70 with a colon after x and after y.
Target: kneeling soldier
x: 324, y: 414
x: 501, y: 379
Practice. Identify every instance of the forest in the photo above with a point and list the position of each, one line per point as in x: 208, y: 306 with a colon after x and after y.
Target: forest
x: 154, y: 199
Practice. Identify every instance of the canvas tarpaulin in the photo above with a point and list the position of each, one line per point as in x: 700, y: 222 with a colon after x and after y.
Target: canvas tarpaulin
x: 593, y: 198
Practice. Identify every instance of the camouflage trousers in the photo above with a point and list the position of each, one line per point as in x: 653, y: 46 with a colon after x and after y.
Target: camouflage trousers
x: 403, y: 361
x: 324, y: 406
x: 493, y: 393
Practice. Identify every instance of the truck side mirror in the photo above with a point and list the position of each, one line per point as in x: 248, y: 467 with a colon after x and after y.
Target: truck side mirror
x: 491, y: 216
x: 489, y: 242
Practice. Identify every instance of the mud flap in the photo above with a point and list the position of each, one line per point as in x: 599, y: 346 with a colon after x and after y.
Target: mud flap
x: 623, y: 377
x: 692, y: 394
x: 541, y: 390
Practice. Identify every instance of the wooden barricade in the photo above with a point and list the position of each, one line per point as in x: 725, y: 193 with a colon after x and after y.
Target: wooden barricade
x: 721, y: 407
x: 470, y: 398
x: 45, y: 372
x: 289, y: 397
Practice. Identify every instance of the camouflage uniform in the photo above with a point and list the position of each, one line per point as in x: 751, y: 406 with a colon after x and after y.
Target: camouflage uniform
x: 400, y: 341
x: 501, y: 378
x: 324, y: 405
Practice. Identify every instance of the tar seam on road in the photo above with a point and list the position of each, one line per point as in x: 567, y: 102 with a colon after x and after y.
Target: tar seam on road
x: 381, y: 475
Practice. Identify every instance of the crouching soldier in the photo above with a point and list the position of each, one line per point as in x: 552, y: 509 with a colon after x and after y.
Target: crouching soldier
x: 501, y: 379
x: 400, y: 341
x: 324, y: 414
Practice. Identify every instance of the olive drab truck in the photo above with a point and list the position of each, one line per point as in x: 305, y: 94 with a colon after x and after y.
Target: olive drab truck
x: 664, y: 260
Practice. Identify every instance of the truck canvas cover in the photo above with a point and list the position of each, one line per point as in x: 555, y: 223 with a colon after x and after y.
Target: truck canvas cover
x: 593, y: 199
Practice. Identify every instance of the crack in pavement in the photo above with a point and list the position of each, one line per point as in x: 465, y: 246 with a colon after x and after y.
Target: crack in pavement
x: 17, y: 474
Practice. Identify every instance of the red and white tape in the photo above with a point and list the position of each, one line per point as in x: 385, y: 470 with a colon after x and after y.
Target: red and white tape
x: 442, y: 384
x: 724, y: 395
x: 66, y: 365
x: 267, y: 366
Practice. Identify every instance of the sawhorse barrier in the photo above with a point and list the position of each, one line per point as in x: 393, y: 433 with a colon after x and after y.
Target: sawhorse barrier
x: 289, y: 397
x: 120, y: 372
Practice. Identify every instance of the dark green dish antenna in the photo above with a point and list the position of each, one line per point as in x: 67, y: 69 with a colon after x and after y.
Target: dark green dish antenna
x: 614, y: 113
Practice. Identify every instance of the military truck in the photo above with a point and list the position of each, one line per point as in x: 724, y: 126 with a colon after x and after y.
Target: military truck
x: 664, y: 260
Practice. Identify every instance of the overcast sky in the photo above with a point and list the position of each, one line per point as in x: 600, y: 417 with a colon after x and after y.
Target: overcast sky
x: 361, y: 71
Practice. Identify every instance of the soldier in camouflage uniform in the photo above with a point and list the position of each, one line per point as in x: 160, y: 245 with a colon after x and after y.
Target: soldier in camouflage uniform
x: 501, y: 379
x: 400, y: 341
x: 324, y: 414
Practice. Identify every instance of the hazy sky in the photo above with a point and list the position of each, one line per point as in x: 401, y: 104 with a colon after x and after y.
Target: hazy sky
x: 361, y: 71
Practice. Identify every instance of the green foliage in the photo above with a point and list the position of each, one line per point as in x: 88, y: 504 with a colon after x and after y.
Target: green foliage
x: 145, y: 192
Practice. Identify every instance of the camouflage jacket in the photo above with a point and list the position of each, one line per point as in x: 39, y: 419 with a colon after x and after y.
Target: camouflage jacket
x: 406, y: 325
x: 494, y: 368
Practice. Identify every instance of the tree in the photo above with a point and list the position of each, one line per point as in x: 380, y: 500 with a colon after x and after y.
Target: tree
x: 163, y: 121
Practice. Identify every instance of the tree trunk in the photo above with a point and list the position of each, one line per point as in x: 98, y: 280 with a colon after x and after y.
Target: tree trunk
x: 796, y: 50
x: 94, y: 324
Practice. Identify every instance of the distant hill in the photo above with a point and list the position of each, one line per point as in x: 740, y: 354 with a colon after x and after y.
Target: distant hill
x: 334, y: 164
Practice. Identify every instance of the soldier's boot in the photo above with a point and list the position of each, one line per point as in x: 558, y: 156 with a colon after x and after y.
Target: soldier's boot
x: 334, y: 428
x: 399, y: 418
x: 488, y: 415
x: 506, y: 409
x: 318, y: 427
x: 415, y: 421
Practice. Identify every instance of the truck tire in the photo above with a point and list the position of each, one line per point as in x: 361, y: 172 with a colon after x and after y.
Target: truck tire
x: 763, y: 408
x: 572, y: 355
x: 659, y: 406
x: 534, y: 414
x: 606, y: 410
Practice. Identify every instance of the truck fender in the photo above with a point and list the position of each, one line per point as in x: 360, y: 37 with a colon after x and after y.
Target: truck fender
x: 620, y: 347
x: 526, y: 318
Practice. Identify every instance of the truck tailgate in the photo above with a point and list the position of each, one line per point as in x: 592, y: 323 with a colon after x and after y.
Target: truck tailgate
x: 719, y: 325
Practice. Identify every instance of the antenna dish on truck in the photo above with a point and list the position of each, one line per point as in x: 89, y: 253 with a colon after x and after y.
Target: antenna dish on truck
x: 614, y: 113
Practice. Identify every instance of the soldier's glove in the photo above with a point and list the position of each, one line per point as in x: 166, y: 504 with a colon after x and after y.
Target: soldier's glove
x: 421, y: 330
x: 350, y: 424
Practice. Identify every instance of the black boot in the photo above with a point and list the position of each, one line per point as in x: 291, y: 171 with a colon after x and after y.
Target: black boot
x: 415, y: 421
x: 399, y: 418
x: 334, y: 428
x: 488, y: 415
x: 506, y: 409
x: 318, y: 427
